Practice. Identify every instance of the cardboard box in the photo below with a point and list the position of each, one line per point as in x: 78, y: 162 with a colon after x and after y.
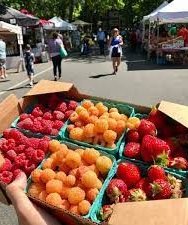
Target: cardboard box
x: 129, y: 213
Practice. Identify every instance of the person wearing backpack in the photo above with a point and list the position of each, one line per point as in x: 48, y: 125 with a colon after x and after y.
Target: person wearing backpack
x: 29, y: 64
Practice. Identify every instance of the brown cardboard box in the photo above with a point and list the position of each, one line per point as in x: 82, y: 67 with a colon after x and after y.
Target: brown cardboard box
x: 130, y: 213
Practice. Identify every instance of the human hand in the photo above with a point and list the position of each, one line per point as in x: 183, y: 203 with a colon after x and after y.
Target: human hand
x: 27, y: 212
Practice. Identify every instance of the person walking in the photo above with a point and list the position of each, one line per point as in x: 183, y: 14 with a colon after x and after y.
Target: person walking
x: 29, y: 64
x: 115, y: 44
x: 55, y: 45
x: 101, y: 40
x: 2, y: 59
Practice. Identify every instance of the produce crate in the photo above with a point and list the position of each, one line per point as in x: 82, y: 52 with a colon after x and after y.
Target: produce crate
x: 103, y: 199
x: 104, y: 186
x: 123, y: 108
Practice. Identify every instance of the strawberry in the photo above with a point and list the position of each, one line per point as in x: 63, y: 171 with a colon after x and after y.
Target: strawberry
x: 117, y: 191
x: 158, y: 118
x: 133, y: 136
x: 179, y: 163
x: 147, y: 128
x: 129, y: 173
x: 156, y: 172
x: 136, y: 195
x: 145, y: 185
x: 155, y: 149
x: 132, y: 150
x: 161, y: 189
x: 105, y: 212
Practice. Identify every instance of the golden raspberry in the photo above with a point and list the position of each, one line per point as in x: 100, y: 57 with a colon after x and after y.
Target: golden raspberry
x: 84, y: 207
x: 74, y: 209
x: 111, y: 145
x: 35, y: 189
x: 99, y: 184
x: 121, y: 126
x: 79, y: 124
x: 64, y: 168
x: 124, y: 117
x: 53, y: 156
x: 54, y: 199
x: 35, y: 175
x: 48, y: 164
x: 90, y: 155
x: 101, y: 126
x: 73, y: 159
x: 74, y: 117
x: 92, y: 194
x: 79, y: 109
x: 43, y: 195
x: 92, y: 119
x: 70, y: 181
x: 110, y: 136
x: 54, y: 146
x: 73, y: 172
x: 76, y: 195
x: 88, y: 140
x: 84, y: 115
x: 76, y: 134
x: 115, y: 115
x: 94, y: 169
x: 47, y: 175
x: 80, y: 151
x: 61, y: 154
x: 112, y: 124
x: 89, y: 130
x: 97, y: 139
x: 64, y: 192
x: 104, y: 164
x: 93, y: 111
x: 64, y: 205
x: 54, y: 186
x: 102, y: 108
x: 133, y: 123
x: 70, y: 127
x: 113, y: 110
x: 87, y: 104
x: 60, y: 176
x: 81, y: 171
x: 89, y: 179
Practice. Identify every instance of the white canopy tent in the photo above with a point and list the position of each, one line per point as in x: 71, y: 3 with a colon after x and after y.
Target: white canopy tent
x: 60, y: 24
x: 6, y: 27
x: 174, y: 12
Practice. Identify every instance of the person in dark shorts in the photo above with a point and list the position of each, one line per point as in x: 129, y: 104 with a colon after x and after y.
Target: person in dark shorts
x: 29, y: 63
x: 115, y: 44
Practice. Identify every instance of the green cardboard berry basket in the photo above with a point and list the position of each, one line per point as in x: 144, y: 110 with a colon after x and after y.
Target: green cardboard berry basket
x: 105, y: 183
x: 102, y: 198
x: 123, y: 108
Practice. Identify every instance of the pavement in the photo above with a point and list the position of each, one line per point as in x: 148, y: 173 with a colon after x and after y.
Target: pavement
x: 138, y: 81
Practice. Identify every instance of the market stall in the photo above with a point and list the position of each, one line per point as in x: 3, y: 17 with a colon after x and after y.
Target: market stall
x: 61, y: 25
x: 13, y: 37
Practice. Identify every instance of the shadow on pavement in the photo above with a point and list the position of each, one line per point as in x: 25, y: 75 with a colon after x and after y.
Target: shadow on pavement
x: 18, y: 88
x: 3, y: 81
x: 101, y: 75
x: 137, y: 61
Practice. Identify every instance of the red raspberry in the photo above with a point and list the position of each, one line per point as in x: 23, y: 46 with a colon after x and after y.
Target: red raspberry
x: 11, y: 155
x: 25, y: 124
x: 28, y: 167
x: 11, y: 144
x: 23, y: 116
x: 6, y: 133
x: 37, y: 127
x: 47, y: 129
x: 15, y: 167
x: 33, y: 142
x: 68, y: 114
x: 54, y: 132
x: 57, y: 115
x: 53, y: 101
x: 37, y: 112
x: 62, y: 107
x: 72, y: 105
x: 38, y: 156
x: 47, y: 116
x: 29, y: 152
x: 43, y: 145
x: 31, y: 117
x: 58, y: 124
x: 19, y: 149
x: 16, y: 173
x: 20, y: 160
x: 16, y: 135
x: 6, y: 177
x: 2, y: 142
x: 7, y: 166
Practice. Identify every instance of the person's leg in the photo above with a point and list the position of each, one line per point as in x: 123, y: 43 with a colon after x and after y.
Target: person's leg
x: 118, y: 62
x: 102, y: 47
x: 54, y: 61
x: 59, y: 60
x: 114, y: 64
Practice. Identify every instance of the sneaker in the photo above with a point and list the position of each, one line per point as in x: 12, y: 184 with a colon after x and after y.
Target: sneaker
x: 116, y: 69
x: 2, y: 77
x: 59, y: 76
x: 55, y: 78
x: 31, y: 84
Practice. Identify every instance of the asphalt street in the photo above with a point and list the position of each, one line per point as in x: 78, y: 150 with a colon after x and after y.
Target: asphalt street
x: 138, y: 81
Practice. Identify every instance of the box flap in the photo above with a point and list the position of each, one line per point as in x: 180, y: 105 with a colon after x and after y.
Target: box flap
x: 9, y: 110
x: 164, y: 212
x: 175, y: 111
x: 46, y: 87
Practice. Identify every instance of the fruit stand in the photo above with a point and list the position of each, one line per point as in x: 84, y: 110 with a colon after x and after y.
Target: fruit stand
x: 120, y: 158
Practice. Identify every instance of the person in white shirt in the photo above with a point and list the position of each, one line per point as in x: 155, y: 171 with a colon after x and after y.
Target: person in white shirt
x: 2, y: 59
x: 101, y: 40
